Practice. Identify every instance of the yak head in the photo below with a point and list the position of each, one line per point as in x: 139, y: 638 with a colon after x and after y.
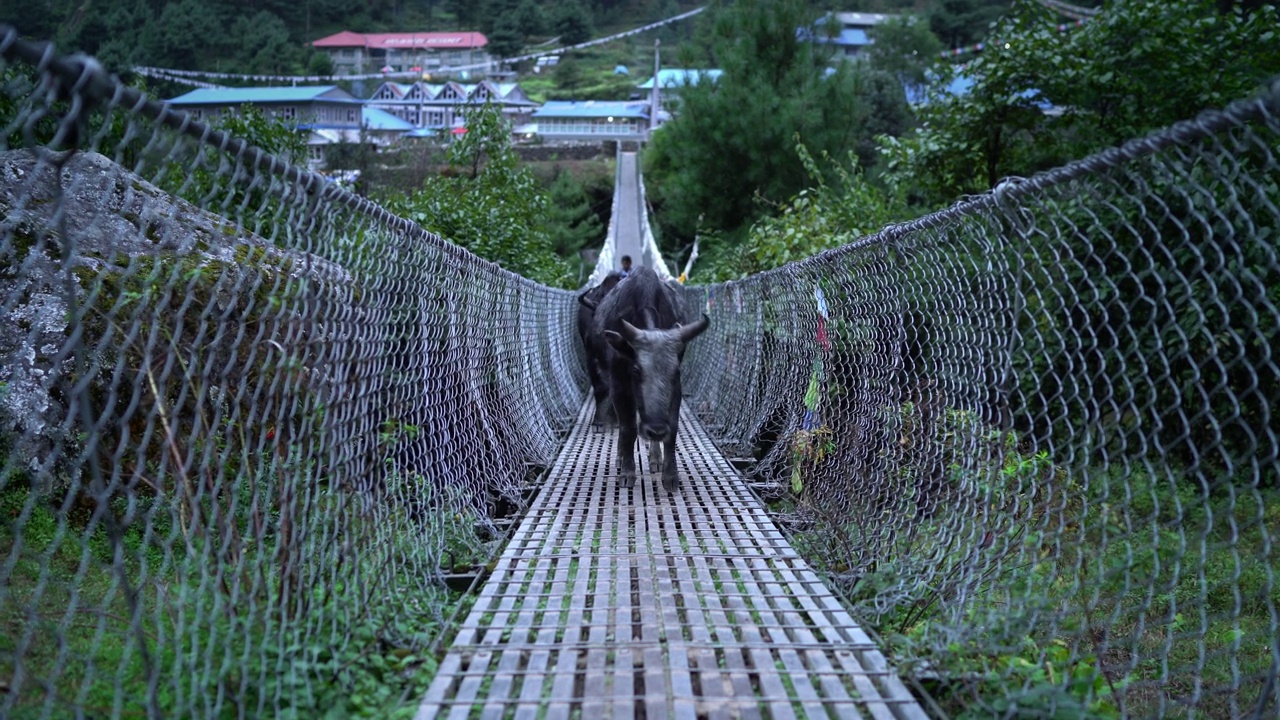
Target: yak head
x: 655, y: 356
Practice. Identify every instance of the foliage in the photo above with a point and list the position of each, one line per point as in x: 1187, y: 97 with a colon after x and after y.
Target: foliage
x: 904, y: 47
x: 207, y: 184
x: 530, y: 18
x: 732, y: 139
x: 377, y: 665
x: 572, y: 22
x: 571, y: 222
x: 1172, y: 55
x: 822, y: 216
x: 488, y: 203
x: 963, y: 22
x: 1061, y: 592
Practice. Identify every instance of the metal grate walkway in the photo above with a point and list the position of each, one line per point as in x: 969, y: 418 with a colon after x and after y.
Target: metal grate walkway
x: 635, y: 604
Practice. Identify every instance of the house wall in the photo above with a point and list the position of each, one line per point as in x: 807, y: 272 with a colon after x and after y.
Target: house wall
x: 354, y: 61
x: 594, y: 128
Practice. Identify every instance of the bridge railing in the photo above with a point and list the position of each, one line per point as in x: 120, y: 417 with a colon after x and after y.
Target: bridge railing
x: 1034, y: 437
x: 650, y: 255
x: 247, y: 418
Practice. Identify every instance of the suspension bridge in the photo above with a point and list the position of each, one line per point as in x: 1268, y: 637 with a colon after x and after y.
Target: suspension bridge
x: 250, y: 419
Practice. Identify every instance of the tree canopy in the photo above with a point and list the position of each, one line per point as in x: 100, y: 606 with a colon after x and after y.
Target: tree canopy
x: 488, y: 203
x: 732, y: 141
x: 1047, y: 97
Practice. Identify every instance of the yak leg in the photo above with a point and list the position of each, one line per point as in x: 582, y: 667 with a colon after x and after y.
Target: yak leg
x: 655, y: 456
x: 625, y: 406
x: 600, y: 392
x: 670, y: 478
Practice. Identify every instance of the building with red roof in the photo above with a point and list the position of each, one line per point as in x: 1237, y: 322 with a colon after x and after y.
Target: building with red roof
x: 357, y: 53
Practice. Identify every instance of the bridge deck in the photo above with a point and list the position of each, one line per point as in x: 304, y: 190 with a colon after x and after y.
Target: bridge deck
x: 612, y: 603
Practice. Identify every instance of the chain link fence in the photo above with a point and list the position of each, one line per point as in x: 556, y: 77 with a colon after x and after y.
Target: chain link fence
x: 247, y: 419
x: 1033, y: 438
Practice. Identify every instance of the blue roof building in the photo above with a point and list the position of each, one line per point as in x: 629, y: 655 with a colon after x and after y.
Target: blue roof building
x: 328, y: 105
x: 592, y: 120
x: 675, y: 78
x: 444, y: 105
x: 375, y: 120
x: 961, y: 84
x: 848, y: 32
x: 326, y: 113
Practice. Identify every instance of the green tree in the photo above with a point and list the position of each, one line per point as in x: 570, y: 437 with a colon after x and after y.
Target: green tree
x: 320, y: 64
x: 571, y: 222
x: 185, y: 33
x: 505, y: 40
x: 530, y: 18
x: 466, y: 11
x: 822, y: 216
x: 733, y: 139
x: 905, y: 47
x: 572, y: 22
x: 264, y: 44
x: 1141, y: 65
x: 964, y: 22
x: 488, y: 202
x: 569, y: 77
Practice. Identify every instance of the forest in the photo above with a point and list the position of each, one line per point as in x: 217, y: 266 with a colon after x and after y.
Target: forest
x: 271, y: 35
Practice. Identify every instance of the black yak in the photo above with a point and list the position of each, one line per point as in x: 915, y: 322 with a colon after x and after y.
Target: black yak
x: 596, y: 347
x: 640, y: 320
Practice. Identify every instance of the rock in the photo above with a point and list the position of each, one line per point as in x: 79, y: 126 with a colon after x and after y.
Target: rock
x: 160, y: 287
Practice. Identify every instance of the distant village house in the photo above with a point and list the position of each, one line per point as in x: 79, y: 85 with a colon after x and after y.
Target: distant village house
x: 355, y: 53
x: 439, y: 106
x: 328, y: 114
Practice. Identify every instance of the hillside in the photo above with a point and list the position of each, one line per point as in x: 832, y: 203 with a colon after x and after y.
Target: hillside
x: 271, y: 36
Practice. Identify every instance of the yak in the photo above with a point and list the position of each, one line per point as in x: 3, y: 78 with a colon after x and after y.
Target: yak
x: 640, y: 321
x: 596, y: 347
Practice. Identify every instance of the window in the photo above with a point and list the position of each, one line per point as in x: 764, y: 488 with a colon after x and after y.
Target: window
x: 351, y: 116
x: 287, y: 113
x: 197, y: 114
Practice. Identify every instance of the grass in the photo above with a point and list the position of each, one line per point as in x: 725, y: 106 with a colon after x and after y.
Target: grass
x: 68, y: 646
x: 1096, y: 592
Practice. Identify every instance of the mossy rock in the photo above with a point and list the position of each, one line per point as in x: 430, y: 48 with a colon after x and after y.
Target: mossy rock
x: 171, y: 310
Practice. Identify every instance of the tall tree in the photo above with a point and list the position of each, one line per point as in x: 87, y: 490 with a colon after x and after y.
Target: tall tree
x: 733, y: 139
x: 1141, y: 65
x: 505, y: 40
x: 905, y: 47
x: 572, y: 22
x: 530, y: 18
x: 964, y: 22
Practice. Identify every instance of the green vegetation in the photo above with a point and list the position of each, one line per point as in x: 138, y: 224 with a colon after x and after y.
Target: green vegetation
x: 732, y: 142
x: 74, y: 593
x: 824, y: 216
x: 1139, y: 66
x: 1066, y: 593
x: 490, y: 204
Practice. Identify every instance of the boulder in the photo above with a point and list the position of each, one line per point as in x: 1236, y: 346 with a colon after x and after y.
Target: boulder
x: 105, y: 275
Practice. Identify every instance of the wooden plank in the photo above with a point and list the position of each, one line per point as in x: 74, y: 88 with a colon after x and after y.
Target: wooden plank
x: 609, y: 602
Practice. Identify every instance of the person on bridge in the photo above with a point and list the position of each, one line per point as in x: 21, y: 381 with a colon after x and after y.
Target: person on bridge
x: 626, y: 265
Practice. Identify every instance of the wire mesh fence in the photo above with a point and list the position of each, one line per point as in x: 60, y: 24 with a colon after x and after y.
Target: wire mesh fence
x: 1033, y: 438
x: 247, y: 419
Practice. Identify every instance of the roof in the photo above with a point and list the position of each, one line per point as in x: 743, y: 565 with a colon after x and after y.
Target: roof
x: 678, y: 77
x: 592, y: 109
x: 864, y: 20
x: 239, y: 96
x: 396, y: 41
x: 961, y: 84
x: 848, y: 36
x: 376, y: 119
